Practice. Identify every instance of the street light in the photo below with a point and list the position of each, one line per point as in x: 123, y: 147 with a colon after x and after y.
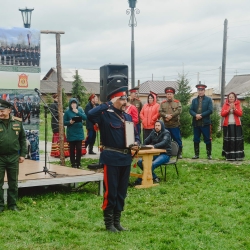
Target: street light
x: 26, y: 14
x: 132, y: 23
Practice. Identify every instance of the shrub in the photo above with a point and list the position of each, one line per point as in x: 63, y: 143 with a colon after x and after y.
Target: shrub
x: 246, y: 123
x: 186, y: 122
x: 215, y: 120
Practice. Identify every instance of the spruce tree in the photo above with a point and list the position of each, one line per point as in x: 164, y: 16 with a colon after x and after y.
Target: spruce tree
x: 183, y: 90
x: 183, y: 95
x: 79, y: 91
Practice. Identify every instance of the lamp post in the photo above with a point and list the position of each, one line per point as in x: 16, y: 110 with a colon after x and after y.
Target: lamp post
x: 26, y: 15
x: 132, y: 23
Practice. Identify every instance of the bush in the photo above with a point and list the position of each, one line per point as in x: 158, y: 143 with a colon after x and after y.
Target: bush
x: 246, y: 123
x: 215, y: 120
x: 186, y: 122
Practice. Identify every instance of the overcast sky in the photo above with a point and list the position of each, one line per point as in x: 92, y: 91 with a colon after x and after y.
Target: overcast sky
x: 171, y: 36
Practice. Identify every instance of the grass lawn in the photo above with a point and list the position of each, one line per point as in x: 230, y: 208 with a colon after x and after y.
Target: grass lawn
x: 207, y: 207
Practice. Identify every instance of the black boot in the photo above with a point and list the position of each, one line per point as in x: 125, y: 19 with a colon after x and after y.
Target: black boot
x: 196, y: 150
x: 117, y: 217
x: 91, y: 150
x: 180, y: 153
x: 209, y: 150
x: 109, y: 221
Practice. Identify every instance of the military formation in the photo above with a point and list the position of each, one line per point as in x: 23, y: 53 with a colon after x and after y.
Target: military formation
x: 20, y: 56
x: 25, y: 108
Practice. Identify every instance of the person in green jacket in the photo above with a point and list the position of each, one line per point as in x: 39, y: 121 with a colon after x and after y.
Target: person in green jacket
x: 72, y: 118
x: 12, y: 152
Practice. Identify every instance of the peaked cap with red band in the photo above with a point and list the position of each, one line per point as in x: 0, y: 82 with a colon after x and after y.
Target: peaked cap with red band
x: 201, y: 86
x: 134, y: 90
x: 169, y: 90
x: 119, y: 92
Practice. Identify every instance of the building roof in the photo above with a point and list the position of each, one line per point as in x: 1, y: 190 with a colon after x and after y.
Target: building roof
x: 51, y: 87
x: 157, y: 87
x: 87, y: 75
x: 239, y: 84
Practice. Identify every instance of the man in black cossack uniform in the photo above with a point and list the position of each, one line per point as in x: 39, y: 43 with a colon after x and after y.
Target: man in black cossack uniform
x: 115, y: 157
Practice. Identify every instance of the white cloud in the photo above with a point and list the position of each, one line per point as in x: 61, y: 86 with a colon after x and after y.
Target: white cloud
x: 169, y: 34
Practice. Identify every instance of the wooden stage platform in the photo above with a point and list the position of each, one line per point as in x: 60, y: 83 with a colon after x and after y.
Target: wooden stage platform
x: 64, y: 175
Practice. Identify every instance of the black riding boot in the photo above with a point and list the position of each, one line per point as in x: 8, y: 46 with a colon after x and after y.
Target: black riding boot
x: 196, y: 150
x: 180, y: 153
x: 109, y: 220
x: 91, y: 150
x: 209, y: 150
x: 117, y: 217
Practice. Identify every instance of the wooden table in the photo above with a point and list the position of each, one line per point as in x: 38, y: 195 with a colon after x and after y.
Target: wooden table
x: 147, y: 157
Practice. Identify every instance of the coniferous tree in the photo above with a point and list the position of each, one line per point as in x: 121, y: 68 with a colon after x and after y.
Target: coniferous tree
x: 183, y: 95
x: 65, y: 102
x: 79, y: 91
x: 183, y: 90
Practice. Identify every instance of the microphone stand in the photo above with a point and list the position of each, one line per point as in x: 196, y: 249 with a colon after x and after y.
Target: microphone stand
x: 45, y: 169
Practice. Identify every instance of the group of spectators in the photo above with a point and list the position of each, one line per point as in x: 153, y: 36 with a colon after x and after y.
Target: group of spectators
x: 201, y: 108
x: 21, y: 56
x: 160, y: 124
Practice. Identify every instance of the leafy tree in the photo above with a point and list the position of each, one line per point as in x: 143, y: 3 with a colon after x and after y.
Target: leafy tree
x: 79, y: 91
x: 183, y: 90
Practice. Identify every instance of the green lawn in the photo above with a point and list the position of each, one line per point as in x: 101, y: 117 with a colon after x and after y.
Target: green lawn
x: 207, y: 207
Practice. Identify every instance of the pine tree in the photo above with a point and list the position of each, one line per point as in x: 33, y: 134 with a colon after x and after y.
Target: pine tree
x: 183, y: 90
x: 79, y: 91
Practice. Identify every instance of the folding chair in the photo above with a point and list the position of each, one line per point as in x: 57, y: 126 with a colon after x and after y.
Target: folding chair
x: 173, y: 160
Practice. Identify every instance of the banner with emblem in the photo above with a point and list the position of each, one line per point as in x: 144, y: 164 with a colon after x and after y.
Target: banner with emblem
x: 20, y: 58
x: 20, y: 75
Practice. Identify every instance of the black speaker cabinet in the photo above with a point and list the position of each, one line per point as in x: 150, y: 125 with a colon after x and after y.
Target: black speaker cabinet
x: 112, y: 76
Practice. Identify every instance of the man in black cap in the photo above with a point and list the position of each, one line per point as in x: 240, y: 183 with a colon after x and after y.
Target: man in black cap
x: 170, y: 110
x: 12, y: 152
x: 115, y: 156
x: 201, y: 109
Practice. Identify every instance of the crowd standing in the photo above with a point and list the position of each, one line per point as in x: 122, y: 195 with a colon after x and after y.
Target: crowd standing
x: 161, y: 124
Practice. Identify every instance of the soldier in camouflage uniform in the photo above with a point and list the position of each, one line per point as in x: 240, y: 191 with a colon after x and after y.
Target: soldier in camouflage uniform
x: 137, y: 103
x: 12, y: 152
x: 170, y: 110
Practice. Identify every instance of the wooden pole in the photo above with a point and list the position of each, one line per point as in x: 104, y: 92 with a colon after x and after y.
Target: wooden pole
x: 59, y: 91
x: 224, y: 55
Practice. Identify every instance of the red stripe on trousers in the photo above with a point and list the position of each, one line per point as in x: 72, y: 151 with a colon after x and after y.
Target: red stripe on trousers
x: 105, y: 180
